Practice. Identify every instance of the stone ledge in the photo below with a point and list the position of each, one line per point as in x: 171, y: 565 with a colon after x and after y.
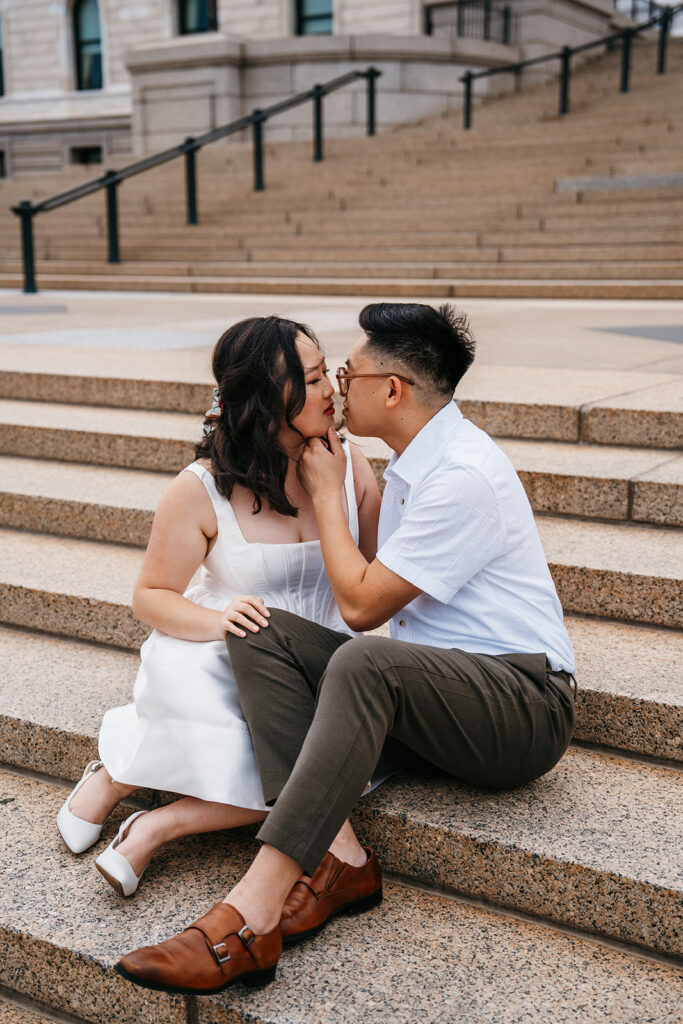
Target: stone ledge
x: 56, y: 911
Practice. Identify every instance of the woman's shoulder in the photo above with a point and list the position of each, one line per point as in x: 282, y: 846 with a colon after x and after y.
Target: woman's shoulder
x: 203, y: 463
x: 363, y: 473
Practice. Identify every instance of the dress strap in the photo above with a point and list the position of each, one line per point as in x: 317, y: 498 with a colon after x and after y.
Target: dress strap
x: 207, y: 479
x: 350, y: 490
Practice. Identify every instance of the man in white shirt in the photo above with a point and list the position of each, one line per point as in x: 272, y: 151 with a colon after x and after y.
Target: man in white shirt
x: 476, y: 680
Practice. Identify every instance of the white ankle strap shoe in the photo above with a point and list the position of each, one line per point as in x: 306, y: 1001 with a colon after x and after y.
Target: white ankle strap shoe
x: 79, y: 835
x: 114, y: 866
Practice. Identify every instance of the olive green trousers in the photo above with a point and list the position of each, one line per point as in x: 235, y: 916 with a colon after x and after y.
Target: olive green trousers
x: 322, y: 707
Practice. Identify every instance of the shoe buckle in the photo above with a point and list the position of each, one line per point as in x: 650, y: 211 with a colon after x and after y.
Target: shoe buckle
x: 246, y: 939
x: 221, y: 959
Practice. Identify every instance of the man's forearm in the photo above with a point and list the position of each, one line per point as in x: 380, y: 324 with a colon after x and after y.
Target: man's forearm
x: 346, y: 566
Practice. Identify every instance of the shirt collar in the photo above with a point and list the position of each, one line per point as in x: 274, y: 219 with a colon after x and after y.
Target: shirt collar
x: 416, y: 460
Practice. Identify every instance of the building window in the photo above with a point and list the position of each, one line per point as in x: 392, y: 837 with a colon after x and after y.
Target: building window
x: 86, y: 155
x: 314, y: 17
x: 197, y: 16
x: 2, y: 70
x: 87, y: 45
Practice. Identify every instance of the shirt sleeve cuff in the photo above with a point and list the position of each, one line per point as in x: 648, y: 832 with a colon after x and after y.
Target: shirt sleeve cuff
x: 416, y: 575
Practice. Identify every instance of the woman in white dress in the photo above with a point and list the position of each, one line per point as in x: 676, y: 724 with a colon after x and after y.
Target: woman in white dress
x: 241, y: 514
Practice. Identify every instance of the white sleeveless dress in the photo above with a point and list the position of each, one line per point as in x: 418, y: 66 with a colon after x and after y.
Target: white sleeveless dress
x: 185, y: 731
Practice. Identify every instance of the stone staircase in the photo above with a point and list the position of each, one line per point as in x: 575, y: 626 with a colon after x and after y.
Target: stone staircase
x: 561, y: 901
x: 425, y: 210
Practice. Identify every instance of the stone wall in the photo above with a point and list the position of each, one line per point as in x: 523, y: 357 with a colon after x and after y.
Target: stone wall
x: 193, y: 85
x: 160, y: 87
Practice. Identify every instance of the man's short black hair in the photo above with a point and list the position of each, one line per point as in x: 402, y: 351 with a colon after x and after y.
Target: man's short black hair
x: 436, y: 345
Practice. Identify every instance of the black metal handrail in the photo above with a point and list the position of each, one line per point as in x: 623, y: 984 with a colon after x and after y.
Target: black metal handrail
x: 475, y: 19
x: 624, y: 36
x: 637, y: 9
x: 110, y: 180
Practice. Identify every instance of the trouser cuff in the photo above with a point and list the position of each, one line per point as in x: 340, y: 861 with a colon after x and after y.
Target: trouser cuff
x: 307, y: 854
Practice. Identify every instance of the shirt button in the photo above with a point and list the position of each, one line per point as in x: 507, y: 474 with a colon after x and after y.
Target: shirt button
x: 401, y: 622
x: 402, y: 501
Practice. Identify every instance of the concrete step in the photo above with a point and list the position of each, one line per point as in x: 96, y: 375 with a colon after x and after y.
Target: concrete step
x: 593, y: 844
x: 13, y: 1011
x: 117, y: 505
x: 630, y: 696
x: 131, y: 438
x: 597, y: 407
x: 58, y: 911
x: 442, y: 268
x: 595, y: 481
x: 54, y: 691
x: 628, y: 572
x: 101, y: 387
x: 372, y: 287
x: 79, y: 500
x: 203, y: 260
x: 74, y: 588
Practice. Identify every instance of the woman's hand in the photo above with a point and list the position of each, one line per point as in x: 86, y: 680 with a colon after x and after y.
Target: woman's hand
x: 322, y: 469
x: 247, y: 611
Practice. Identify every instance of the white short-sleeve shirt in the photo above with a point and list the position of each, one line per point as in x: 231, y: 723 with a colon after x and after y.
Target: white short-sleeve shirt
x: 455, y: 522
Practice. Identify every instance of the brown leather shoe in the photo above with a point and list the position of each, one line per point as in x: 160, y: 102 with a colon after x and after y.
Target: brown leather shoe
x: 336, y: 888
x: 214, y: 952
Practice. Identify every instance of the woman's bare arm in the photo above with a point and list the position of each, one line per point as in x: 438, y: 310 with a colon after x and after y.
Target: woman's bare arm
x: 184, y: 524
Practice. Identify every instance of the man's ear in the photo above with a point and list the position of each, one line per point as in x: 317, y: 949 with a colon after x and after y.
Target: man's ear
x: 394, y: 392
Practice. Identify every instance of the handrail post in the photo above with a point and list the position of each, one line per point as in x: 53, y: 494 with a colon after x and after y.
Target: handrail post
x: 112, y: 217
x: 564, y: 80
x: 467, y: 106
x: 626, y: 38
x: 506, y: 25
x: 372, y: 76
x: 25, y: 211
x: 461, y: 14
x: 664, y: 29
x: 318, y: 93
x: 257, y: 131
x: 487, y: 19
x: 190, y: 181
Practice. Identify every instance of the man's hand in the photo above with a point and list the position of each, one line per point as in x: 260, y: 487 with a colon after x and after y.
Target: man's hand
x: 321, y: 469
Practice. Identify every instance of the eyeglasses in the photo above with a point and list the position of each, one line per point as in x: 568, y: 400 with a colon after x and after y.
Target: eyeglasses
x: 343, y: 378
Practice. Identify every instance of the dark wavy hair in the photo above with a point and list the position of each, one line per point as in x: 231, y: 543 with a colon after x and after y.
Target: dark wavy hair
x: 435, y: 344
x: 253, y: 362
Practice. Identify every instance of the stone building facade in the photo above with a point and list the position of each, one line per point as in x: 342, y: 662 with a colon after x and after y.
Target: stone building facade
x: 98, y: 80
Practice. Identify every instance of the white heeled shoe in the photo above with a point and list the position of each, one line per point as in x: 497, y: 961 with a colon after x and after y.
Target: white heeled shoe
x: 114, y: 866
x: 79, y: 835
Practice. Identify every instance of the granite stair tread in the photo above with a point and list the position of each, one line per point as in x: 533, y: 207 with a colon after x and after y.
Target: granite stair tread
x: 629, y: 571
x: 395, y: 287
x: 57, y: 907
x: 79, y: 500
x: 96, y: 419
x: 15, y: 1013
x: 630, y: 696
x: 99, y: 485
x: 134, y: 438
x: 600, y: 481
x: 54, y: 691
x: 641, y: 408
x: 72, y: 587
x: 117, y: 504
